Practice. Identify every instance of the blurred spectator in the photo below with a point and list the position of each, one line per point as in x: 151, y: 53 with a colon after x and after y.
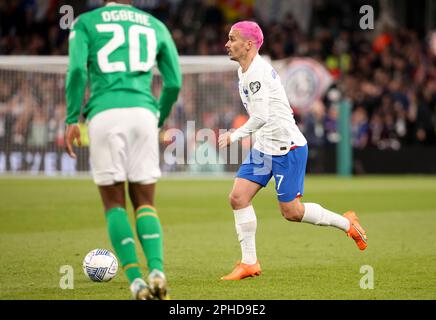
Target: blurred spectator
x: 390, y: 79
x: 360, y: 128
x: 313, y: 125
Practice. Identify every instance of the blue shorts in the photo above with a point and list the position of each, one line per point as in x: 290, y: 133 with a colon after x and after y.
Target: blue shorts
x: 288, y: 171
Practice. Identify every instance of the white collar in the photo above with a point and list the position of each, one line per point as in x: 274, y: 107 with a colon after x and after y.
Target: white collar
x: 255, y: 59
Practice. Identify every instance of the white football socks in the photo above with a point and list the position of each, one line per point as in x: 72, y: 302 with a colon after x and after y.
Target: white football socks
x: 315, y: 214
x: 246, y: 223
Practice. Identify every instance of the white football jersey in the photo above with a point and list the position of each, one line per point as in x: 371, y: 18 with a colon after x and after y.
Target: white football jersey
x: 271, y: 117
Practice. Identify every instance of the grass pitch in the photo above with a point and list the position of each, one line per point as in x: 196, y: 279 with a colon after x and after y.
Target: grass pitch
x: 49, y: 223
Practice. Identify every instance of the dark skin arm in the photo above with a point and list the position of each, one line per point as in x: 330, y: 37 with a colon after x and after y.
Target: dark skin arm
x: 72, y: 133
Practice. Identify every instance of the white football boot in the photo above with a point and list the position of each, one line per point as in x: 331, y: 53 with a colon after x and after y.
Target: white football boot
x: 158, y: 285
x: 140, y: 290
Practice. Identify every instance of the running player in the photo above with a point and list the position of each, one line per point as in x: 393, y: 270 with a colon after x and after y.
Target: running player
x: 116, y: 47
x: 280, y: 151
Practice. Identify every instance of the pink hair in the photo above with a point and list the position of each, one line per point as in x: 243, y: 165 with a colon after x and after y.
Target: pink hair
x: 251, y: 31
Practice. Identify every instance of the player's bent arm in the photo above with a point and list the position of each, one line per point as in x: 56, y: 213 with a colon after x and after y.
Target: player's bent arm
x: 77, y: 74
x: 251, y: 126
x: 169, y: 67
x: 259, y: 114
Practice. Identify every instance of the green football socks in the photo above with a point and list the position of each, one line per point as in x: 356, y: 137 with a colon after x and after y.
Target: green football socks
x: 123, y: 242
x: 149, y: 232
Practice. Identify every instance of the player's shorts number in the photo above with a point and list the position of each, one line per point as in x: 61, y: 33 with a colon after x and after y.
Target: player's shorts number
x: 118, y: 40
x: 280, y: 177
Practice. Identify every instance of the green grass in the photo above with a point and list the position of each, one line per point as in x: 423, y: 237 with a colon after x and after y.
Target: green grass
x: 47, y: 223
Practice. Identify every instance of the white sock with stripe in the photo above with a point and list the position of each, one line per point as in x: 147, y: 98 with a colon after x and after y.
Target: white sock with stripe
x: 315, y: 214
x: 246, y: 224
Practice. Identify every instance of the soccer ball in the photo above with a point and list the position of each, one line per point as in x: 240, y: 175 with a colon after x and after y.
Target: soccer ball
x: 100, y: 265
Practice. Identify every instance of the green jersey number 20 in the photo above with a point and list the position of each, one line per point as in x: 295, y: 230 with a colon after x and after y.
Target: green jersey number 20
x: 118, y: 40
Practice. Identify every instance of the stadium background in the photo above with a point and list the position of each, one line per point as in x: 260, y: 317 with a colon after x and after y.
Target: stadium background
x: 388, y: 74
x: 386, y: 77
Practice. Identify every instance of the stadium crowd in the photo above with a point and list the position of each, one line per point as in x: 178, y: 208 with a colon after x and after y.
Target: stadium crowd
x: 390, y: 77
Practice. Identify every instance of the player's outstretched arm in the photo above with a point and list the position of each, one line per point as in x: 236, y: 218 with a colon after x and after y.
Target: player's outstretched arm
x: 169, y: 67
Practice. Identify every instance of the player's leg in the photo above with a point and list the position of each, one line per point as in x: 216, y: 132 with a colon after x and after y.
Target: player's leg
x: 315, y: 214
x: 113, y: 196
x: 119, y: 229
x: 312, y: 213
x: 107, y: 154
x: 289, y: 173
x: 245, y: 223
x: 143, y: 173
x: 149, y: 231
x: 253, y: 174
x: 141, y: 194
x: 245, y: 217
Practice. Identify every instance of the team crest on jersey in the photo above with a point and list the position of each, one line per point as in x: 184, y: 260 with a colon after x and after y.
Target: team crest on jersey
x: 254, y: 86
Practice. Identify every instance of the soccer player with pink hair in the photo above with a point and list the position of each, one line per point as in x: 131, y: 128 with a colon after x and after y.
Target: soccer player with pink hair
x: 280, y: 151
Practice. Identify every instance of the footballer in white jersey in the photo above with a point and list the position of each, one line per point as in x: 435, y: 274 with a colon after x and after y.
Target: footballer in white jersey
x: 271, y: 116
x: 280, y: 151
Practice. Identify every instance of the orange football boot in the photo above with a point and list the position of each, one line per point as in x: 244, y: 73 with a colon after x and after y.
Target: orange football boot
x: 356, y: 231
x: 243, y: 270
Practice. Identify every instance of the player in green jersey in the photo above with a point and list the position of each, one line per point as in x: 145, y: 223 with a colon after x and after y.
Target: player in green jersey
x: 115, y: 48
